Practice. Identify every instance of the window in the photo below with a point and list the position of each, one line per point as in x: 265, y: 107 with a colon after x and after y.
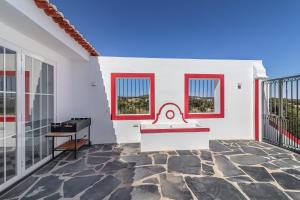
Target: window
x: 132, y: 96
x: 204, y: 95
x: 39, y: 109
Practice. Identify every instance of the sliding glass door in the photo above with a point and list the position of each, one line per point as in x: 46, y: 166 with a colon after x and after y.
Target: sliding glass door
x: 26, y: 112
x: 39, y: 109
x: 8, y: 111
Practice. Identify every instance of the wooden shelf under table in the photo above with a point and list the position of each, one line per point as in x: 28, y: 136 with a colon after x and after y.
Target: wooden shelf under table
x: 70, y: 145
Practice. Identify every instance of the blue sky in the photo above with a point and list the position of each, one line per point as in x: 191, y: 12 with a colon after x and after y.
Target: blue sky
x: 209, y: 29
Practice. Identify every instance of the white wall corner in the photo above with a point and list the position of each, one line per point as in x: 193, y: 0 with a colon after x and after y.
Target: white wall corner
x: 259, y: 71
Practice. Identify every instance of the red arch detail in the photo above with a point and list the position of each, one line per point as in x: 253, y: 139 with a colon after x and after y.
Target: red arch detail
x: 169, y: 103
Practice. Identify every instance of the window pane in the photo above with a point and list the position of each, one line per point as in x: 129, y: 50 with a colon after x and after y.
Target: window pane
x: 28, y: 148
x: 37, y: 148
x: 44, y: 78
x: 10, y: 157
x: 28, y: 112
x: 36, y: 76
x: 44, y: 142
x: 44, y: 110
x: 11, y: 104
x: 1, y: 161
x: 201, y: 95
x: 36, y: 110
x: 10, y: 60
x: 133, y: 95
x: 11, y: 82
x: 50, y: 109
x: 50, y: 80
x: 1, y: 68
x: 1, y: 115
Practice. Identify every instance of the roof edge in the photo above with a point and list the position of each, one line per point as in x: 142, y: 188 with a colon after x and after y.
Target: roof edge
x: 51, y: 11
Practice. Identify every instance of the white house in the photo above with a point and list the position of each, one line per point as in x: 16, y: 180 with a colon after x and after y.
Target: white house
x: 50, y: 73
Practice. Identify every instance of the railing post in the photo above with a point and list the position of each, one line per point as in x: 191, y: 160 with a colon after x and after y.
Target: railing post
x: 280, y: 111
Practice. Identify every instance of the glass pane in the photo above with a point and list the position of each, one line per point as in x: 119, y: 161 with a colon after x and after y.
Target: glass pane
x: 1, y: 68
x: 50, y: 109
x: 10, y: 60
x: 36, y: 110
x: 11, y: 104
x: 36, y: 76
x: 44, y: 110
x: 50, y: 80
x: 11, y: 81
x: 37, y: 147
x: 1, y: 161
x: 1, y: 115
x: 201, y: 95
x: 10, y: 157
x: 28, y: 149
x: 49, y: 140
x: 133, y: 95
x: 28, y: 112
x: 44, y: 78
x: 44, y: 142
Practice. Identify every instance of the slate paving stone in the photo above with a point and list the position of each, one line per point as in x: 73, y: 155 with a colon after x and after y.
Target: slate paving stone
x: 240, y: 179
x: 213, y: 188
x: 141, y: 192
x: 184, y: 164
x: 253, y: 150
x: 54, y: 196
x: 71, y: 168
x: 195, y: 152
x: 279, y: 150
x: 74, y: 186
x: 226, y: 167
x: 270, y: 152
x: 92, y: 160
x: 257, y: 173
x: 146, y: 171
x: 262, y: 191
x: 173, y: 187
x: 44, y: 187
x: 47, y: 168
x: 108, y: 147
x: 160, y: 158
x: 130, y: 148
x: 151, y: 180
x: 98, y: 167
x: 248, y: 159
x: 291, y: 162
x: 282, y: 164
x: 114, y: 166
x: 282, y: 155
x: 172, y: 153
x: 216, y: 146
x: 138, y: 159
x: 294, y: 195
x: 294, y: 172
x: 20, y: 188
x: 106, y: 154
x: 206, y: 155
x: 270, y: 166
x: 207, y: 170
x: 126, y: 176
x: 85, y: 172
x: 286, y: 181
x: 234, y: 152
x: 101, y: 189
x: 184, y: 152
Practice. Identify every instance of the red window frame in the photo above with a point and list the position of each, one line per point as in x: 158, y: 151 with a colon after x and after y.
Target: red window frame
x: 186, y: 96
x: 114, y: 114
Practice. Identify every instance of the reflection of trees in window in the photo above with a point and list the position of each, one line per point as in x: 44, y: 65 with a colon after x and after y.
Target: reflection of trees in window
x: 133, y: 95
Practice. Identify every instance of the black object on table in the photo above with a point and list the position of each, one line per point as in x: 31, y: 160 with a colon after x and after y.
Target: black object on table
x: 70, y: 129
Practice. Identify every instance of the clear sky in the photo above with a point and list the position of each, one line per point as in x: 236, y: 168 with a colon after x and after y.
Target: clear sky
x: 211, y: 29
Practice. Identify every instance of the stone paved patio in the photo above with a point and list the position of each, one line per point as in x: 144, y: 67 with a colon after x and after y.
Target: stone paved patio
x: 230, y: 170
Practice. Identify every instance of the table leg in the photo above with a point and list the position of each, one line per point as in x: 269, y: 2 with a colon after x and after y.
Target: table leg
x: 75, y: 150
x: 52, y: 147
x: 89, y: 136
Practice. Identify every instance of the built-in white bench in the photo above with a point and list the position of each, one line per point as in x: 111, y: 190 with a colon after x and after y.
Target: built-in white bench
x: 171, y: 131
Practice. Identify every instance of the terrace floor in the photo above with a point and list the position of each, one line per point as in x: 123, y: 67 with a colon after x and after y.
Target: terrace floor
x: 230, y: 170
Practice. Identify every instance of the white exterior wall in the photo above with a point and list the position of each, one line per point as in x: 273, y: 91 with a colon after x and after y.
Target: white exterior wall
x: 238, y: 122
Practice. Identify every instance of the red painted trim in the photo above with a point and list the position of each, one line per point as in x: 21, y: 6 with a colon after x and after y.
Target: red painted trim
x: 173, y: 130
x: 169, y: 103
x: 186, y: 96
x: 256, y: 112
x: 10, y: 118
x: 172, y: 114
x: 114, y: 115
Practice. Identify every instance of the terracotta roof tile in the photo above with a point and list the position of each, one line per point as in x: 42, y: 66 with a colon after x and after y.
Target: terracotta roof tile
x: 51, y: 11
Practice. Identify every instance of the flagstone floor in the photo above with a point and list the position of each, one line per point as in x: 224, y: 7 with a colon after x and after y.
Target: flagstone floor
x: 230, y: 170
